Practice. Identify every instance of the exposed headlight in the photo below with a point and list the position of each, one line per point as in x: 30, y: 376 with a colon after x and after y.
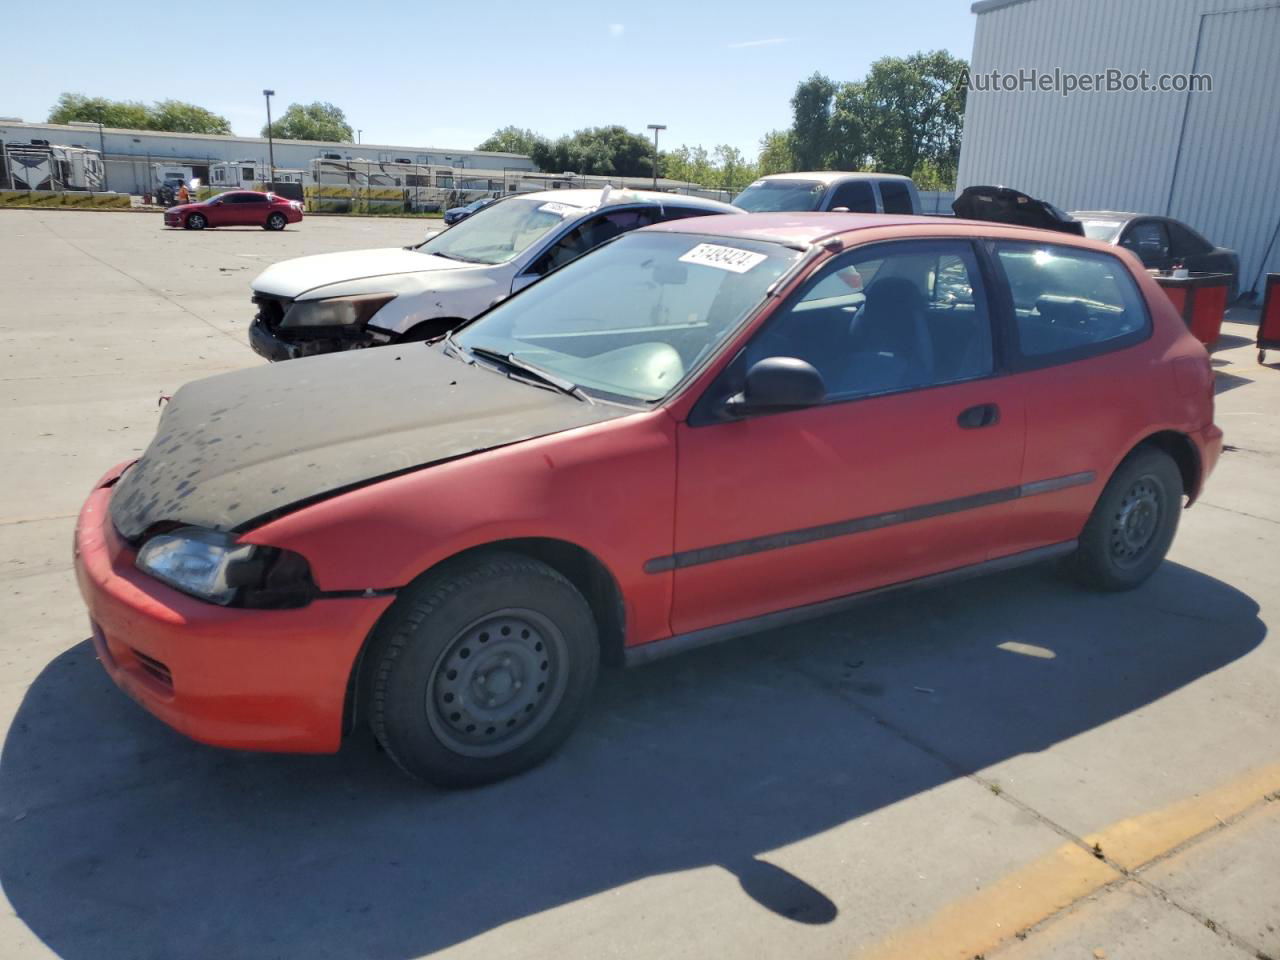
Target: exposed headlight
x: 335, y: 312
x: 210, y: 565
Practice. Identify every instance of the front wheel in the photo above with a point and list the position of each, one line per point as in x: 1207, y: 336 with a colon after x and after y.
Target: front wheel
x: 1133, y: 523
x: 196, y: 221
x: 482, y: 670
x: 275, y: 222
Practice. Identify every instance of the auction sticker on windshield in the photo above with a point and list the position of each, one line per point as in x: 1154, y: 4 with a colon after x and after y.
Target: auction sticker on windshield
x: 723, y: 258
x: 560, y: 209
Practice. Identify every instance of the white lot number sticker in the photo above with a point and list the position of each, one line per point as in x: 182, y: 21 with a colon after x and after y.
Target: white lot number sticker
x: 723, y: 258
x: 560, y: 209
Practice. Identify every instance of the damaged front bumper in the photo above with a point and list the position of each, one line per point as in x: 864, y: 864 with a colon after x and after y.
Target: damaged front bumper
x: 268, y: 340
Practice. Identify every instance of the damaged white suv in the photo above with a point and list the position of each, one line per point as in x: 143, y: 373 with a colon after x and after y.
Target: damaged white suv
x: 366, y: 298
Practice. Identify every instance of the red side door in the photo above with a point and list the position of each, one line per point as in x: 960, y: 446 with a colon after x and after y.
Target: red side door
x: 1080, y: 342
x: 908, y: 469
x: 220, y: 211
x: 253, y: 209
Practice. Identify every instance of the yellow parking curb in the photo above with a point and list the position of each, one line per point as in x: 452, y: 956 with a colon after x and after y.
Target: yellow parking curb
x: 977, y: 924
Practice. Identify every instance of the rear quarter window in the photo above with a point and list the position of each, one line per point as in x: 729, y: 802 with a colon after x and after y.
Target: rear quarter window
x: 895, y: 196
x: 1070, y: 304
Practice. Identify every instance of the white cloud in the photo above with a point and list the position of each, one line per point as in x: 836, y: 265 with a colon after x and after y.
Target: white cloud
x: 617, y: 29
x: 772, y: 41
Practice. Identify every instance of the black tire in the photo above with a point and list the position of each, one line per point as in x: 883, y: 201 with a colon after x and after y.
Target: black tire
x: 195, y: 221
x: 501, y: 626
x: 276, y: 221
x: 1132, y: 524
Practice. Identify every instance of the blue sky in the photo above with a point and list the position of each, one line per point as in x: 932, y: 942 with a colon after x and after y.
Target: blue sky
x: 448, y: 74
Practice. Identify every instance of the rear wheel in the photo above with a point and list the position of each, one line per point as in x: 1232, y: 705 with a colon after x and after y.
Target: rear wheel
x: 275, y: 222
x: 1133, y: 523
x: 196, y: 221
x: 481, y: 670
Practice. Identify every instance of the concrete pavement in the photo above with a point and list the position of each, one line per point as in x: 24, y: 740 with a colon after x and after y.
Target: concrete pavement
x: 925, y: 777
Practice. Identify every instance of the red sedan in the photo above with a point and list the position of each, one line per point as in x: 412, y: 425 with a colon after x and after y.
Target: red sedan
x: 700, y: 429
x: 236, y: 208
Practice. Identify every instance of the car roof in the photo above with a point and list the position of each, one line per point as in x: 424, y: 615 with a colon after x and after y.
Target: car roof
x: 590, y: 199
x: 804, y: 229
x: 831, y: 176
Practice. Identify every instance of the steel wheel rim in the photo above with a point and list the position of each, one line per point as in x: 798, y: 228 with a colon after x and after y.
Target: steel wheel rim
x: 1136, y: 522
x: 498, y: 683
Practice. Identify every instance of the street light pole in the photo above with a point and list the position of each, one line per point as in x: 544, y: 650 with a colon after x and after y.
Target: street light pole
x: 655, y: 127
x: 271, y: 147
x: 102, y: 148
x: 358, y: 132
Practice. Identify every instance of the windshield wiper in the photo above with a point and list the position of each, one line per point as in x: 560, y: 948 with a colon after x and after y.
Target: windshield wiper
x: 453, y: 347
x: 513, y: 362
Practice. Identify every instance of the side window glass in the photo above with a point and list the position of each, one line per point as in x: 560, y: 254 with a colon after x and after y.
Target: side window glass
x: 856, y: 196
x: 682, y: 213
x: 896, y: 197
x: 1071, y: 303
x: 1184, y: 243
x: 1148, y: 240
x: 886, y: 319
x: 590, y: 234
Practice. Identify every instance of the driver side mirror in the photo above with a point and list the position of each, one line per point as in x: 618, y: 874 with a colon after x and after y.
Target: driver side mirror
x: 778, y: 383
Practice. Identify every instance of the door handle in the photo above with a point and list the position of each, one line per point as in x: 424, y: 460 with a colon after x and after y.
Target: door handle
x: 983, y: 415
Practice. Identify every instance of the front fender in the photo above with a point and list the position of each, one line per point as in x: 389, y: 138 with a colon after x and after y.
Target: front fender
x: 608, y: 488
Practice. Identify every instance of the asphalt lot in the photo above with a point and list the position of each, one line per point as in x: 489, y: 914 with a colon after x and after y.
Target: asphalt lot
x: 1011, y: 767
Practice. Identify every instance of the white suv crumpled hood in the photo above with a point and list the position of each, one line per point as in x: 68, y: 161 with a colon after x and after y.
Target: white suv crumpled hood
x: 293, y: 278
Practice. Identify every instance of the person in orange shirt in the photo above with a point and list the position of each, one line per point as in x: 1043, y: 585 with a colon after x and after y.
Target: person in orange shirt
x: 184, y: 195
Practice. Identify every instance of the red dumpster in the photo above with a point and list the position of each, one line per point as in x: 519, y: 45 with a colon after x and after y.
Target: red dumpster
x: 1202, y: 300
x: 1269, y: 322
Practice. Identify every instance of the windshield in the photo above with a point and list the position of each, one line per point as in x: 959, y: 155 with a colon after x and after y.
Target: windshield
x: 1104, y: 230
x: 630, y: 319
x: 766, y: 196
x: 500, y: 231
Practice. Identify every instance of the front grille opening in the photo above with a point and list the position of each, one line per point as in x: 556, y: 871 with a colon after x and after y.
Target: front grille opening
x: 271, y: 310
x: 154, y: 668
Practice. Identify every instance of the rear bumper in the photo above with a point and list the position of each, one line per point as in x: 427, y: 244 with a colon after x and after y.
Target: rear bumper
x: 247, y: 679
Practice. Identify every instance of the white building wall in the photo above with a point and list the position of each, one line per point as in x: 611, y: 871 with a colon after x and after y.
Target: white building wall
x: 1211, y: 159
x: 131, y: 150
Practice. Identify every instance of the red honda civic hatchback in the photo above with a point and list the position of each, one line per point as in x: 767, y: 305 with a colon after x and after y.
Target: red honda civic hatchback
x: 701, y: 429
x: 236, y: 208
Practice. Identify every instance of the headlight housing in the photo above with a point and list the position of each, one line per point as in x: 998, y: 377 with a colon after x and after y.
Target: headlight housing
x: 211, y: 565
x: 336, y: 311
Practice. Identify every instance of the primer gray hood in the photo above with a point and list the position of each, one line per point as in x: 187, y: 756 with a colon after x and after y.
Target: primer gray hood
x: 236, y: 449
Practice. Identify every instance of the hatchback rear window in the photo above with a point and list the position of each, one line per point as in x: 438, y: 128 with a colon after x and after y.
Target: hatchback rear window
x: 1071, y: 303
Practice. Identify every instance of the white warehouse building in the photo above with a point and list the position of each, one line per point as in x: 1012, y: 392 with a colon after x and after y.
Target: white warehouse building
x: 1210, y: 158
x: 131, y: 154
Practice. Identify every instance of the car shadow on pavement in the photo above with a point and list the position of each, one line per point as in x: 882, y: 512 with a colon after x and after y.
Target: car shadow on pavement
x: 121, y: 839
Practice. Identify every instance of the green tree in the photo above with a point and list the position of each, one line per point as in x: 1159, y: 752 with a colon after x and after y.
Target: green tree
x: 775, y: 153
x: 811, y: 122
x: 179, y: 117
x: 173, y: 116
x: 733, y: 170
x: 689, y: 165
x: 915, y: 111
x: 612, y: 150
x: 513, y: 140
x: 851, y: 122
x: 312, y: 121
